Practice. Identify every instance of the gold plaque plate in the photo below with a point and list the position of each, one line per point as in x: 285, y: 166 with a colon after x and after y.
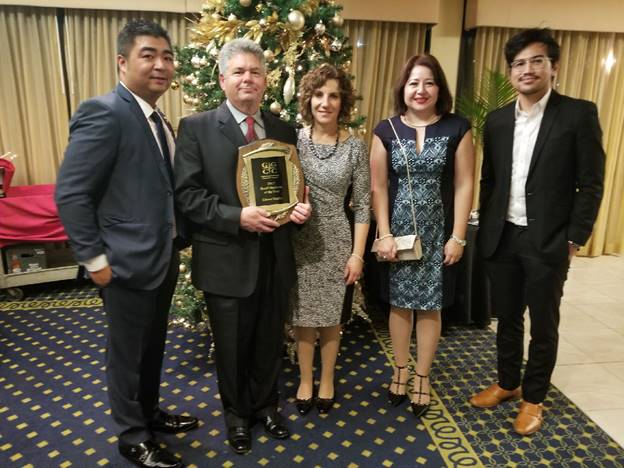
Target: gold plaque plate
x: 269, y: 176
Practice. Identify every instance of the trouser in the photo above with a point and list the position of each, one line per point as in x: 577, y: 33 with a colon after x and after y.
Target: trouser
x: 519, y: 278
x: 249, y: 336
x: 137, y: 328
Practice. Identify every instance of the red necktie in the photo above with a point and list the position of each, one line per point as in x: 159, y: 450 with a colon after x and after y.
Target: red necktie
x: 251, y: 131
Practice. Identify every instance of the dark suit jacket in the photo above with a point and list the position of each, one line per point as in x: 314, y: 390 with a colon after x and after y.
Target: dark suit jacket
x: 113, y: 193
x: 565, y: 180
x: 225, y: 257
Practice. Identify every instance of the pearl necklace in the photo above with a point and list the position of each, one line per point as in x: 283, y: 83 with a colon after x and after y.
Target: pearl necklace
x: 313, y: 147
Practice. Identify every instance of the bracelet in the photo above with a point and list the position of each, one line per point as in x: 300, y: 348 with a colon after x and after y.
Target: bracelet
x: 385, y: 236
x: 461, y: 242
x: 359, y: 257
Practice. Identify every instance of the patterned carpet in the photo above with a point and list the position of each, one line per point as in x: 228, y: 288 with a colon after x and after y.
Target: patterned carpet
x: 54, y: 409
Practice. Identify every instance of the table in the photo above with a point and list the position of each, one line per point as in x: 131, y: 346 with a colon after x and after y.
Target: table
x: 28, y: 214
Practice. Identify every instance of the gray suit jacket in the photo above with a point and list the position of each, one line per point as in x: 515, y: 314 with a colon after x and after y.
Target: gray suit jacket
x: 225, y: 257
x: 113, y: 193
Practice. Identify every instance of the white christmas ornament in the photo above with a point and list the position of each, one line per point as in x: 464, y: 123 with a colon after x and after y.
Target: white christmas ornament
x: 289, y: 88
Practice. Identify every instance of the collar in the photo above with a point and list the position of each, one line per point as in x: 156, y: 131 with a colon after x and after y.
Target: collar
x: 240, y: 116
x: 537, y: 108
x: 146, y: 107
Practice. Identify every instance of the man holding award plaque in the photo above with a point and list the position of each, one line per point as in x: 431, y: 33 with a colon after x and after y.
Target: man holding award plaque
x: 238, y: 182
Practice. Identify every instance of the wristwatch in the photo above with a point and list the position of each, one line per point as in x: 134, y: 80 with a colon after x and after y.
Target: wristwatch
x: 461, y: 242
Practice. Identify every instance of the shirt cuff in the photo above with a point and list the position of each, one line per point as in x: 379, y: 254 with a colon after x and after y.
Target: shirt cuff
x: 95, y: 263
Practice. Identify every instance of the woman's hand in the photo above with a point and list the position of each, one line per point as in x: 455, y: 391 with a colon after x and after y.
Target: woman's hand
x: 452, y: 252
x: 353, y: 269
x: 387, y: 249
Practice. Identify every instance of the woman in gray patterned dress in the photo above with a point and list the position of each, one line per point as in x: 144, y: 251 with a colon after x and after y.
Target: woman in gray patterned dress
x: 438, y: 148
x: 328, y: 260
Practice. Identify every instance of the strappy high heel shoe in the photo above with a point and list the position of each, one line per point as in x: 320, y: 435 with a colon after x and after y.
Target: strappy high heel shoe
x: 395, y: 399
x: 418, y: 408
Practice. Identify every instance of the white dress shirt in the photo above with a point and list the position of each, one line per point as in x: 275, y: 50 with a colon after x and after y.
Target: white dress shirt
x: 240, y: 120
x: 99, y: 262
x: 526, y: 128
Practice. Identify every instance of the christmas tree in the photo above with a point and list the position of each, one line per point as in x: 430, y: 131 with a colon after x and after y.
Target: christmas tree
x: 296, y: 36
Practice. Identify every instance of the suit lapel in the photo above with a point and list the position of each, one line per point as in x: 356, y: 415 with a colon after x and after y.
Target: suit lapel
x: 269, y: 130
x: 505, y: 131
x: 229, y: 127
x: 552, y: 108
x: 135, y: 109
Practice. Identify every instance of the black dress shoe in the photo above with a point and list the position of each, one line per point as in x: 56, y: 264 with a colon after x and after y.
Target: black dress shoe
x: 149, y: 454
x: 274, y: 427
x: 304, y: 406
x: 239, y: 439
x: 323, y: 405
x: 174, y: 423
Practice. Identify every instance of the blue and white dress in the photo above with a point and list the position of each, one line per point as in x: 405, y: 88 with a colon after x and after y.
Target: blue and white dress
x: 420, y: 284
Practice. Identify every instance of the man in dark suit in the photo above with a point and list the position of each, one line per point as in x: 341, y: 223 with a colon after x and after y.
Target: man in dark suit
x: 242, y: 259
x: 541, y: 187
x: 115, y: 199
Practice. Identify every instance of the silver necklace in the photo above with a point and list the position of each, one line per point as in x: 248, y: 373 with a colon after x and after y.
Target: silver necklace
x: 313, y: 147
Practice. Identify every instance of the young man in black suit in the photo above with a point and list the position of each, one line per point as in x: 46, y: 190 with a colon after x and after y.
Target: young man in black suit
x: 242, y: 259
x: 541, y: 187
x: 115, y: 199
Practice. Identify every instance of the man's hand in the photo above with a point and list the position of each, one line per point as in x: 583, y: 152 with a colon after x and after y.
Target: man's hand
x: 303, y: 210
x: 102, y: 277
x: 572, y: 251
x: 254, y: 219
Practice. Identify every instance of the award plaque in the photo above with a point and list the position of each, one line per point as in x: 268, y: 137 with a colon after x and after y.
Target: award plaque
x: 269, y: 176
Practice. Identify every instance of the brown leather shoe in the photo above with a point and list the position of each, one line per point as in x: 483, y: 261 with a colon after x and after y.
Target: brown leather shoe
x: 493, y: 395
x: 529, y: 419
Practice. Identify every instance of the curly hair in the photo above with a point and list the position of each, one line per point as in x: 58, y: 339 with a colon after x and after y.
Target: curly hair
x: 314, y: 80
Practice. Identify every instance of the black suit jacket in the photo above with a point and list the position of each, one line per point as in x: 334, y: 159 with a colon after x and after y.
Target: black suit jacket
x: 113, y: 193
x: 225, y: 257
x: 565, y: 180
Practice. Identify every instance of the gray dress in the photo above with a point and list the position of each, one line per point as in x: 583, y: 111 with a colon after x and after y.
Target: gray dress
x: 323, y: 244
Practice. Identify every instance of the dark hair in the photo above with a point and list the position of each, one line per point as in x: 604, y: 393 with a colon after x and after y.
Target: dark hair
x: 138, y: 27
x: 314, y: 80
x: 444, y: 103
x: 530, y: 36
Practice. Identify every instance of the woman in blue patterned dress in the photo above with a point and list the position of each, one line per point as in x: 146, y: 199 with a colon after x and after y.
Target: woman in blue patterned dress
x: 328, y: 256
x: 438, y: 146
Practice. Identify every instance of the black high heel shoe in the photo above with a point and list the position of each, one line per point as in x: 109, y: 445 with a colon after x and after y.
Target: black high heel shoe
x: 395, y: 399
x: 418, y: 408
x: 323, y: 405
x: 304, y: 406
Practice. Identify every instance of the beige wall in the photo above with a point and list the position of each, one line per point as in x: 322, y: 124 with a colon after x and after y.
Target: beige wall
x: 568, y: 15
x: 413, y: 11
x: 446, y: 38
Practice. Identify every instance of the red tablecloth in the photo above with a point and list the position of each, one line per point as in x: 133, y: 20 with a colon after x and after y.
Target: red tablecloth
x: 28, y: 214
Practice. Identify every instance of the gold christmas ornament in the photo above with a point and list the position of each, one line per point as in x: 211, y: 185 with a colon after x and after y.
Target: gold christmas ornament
x: 262, y: 22
x: 259, y: 7
x: 232, y: 17
x: 275, y: 107
x: 179, y: 304
x: 244, y: 3
x: 175, y: 85
x: 319, y: 28
x: 182, y: 268
x: 336, y: 45
x: 338, y: 20
x: 269, y: 56
x: 296, y: 19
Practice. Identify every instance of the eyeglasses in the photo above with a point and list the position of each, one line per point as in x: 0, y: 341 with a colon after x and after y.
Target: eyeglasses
x: 537, y: 63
